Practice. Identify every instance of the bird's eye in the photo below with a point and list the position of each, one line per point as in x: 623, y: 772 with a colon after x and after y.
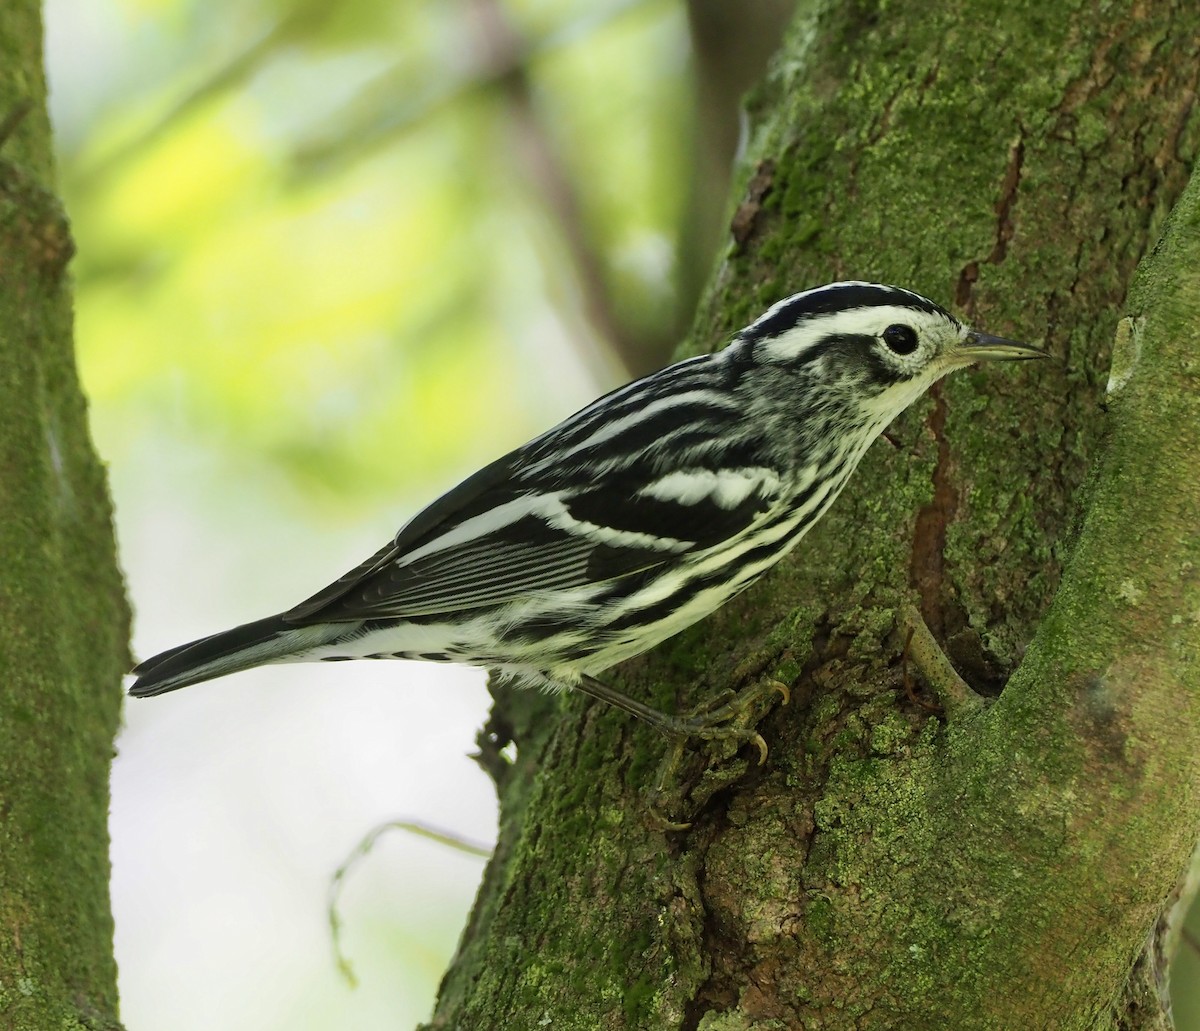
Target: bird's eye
x: 900, y: 339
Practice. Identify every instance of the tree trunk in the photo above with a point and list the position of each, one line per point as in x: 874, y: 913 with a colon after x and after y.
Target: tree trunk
x: 63, y: 617
x: 890, y: 866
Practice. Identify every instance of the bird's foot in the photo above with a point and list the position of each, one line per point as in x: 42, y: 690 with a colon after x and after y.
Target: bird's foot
x: 728, y: 717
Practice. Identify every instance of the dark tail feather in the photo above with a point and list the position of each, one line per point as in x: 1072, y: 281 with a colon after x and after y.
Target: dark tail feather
x: 252, y: 644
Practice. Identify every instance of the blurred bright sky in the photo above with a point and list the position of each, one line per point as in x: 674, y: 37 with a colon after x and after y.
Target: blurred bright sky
x: 316, y: 285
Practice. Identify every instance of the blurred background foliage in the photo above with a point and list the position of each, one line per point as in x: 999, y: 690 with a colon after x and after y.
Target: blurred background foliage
x: 331, y: 258
x: 413, y: 222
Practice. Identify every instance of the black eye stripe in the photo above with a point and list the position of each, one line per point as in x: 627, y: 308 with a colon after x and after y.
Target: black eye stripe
x: 900, y: 339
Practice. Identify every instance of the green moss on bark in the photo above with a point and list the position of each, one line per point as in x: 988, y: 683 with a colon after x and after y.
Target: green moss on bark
x: 63, y: 618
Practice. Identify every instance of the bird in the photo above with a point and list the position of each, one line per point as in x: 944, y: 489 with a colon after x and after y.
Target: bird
x: 632, y: 519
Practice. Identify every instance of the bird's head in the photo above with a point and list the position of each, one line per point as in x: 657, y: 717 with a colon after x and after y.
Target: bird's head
x: 874, y: 347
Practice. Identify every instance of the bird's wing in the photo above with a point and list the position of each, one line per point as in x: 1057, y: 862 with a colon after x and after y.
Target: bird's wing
x: 448, y: 509
x: 478, y: 493
x: 598, y: 498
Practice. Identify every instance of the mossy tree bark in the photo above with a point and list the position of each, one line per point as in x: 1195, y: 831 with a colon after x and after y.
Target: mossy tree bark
x: 891, y: 867
x: 63, y: 617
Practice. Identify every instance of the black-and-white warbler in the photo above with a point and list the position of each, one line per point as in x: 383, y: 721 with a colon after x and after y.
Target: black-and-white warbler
x: 635, y: 517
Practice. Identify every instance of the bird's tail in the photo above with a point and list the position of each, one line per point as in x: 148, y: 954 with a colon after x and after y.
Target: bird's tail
x: 252, y: 644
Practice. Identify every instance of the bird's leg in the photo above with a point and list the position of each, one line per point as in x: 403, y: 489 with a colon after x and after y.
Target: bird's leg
x: 956, y: 696
x: 717, y: 719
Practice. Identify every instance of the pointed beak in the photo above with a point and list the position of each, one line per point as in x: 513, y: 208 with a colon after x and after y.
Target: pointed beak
x: 981, y: 347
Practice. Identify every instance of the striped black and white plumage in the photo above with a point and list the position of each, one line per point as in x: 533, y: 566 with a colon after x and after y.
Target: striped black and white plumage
x: 633, y: 518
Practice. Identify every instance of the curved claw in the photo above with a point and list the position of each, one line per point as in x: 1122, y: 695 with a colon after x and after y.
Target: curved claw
x: 664, y: 822
x: 758, y: 740
x: 784, y: 692
x: 708, y: 732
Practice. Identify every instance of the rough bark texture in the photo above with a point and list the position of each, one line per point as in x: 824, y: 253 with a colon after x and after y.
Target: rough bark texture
x: 63, y: 618
x: 888, y: 868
